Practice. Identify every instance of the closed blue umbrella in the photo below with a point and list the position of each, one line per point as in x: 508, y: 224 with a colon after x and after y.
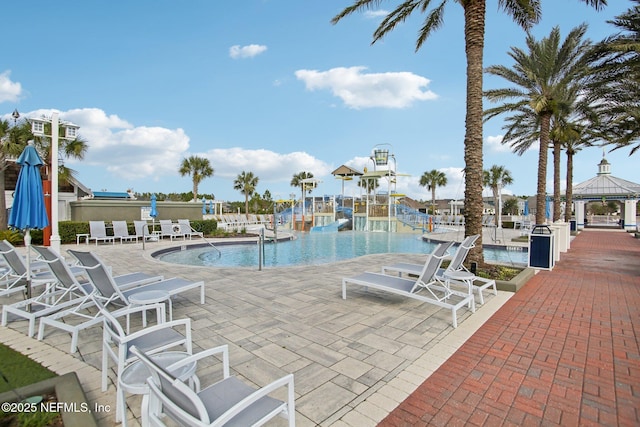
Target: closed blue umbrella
x: 154, y: 212
x: 211, y: 207
x: 28, y: 210
x: 526, y: 208
x: 154, y: 209
x: 547, y: 208
x: 204, y: 206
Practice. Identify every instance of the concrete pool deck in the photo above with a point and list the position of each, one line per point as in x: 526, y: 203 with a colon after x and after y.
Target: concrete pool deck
x: 354, y: 360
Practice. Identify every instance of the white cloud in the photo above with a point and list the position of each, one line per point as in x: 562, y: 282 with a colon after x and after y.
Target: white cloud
x: 124, y: 150
x: 374, y: 14
x: 268, y: 165
x: 248, y: 51
x: 361, y: 90
x: 494, y: 144
x: 9, y: 91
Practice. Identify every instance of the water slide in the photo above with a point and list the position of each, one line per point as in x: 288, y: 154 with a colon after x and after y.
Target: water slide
x: 333, y: 227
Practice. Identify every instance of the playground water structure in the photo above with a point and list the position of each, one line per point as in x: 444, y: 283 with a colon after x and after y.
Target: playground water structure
x: 319, y: 248
x: 327, y: 213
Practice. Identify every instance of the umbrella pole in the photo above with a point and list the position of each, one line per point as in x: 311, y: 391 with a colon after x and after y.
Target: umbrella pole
x: 27, y: 244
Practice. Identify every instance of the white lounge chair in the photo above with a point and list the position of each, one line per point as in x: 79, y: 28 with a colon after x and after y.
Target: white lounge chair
x: 66, y: 318
x: 456, y: 265
x: 226, y: 402
x: 169, y: 229
x: 427, y: 287
x: 98, y: 232
x: 187, y: 230
x: 142, y: 230
x: 15, y: 278
x: 108, y: 291
x: 121, y: 231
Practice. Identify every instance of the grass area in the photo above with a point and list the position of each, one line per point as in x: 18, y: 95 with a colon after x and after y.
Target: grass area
x: 18, y: 370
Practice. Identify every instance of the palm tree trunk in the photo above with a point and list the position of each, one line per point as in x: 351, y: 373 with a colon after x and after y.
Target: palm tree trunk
x: 545, y: 121
x: 556, y: 180
x: 474, y: 22
x: 433, y: 201
x: 569, y: 194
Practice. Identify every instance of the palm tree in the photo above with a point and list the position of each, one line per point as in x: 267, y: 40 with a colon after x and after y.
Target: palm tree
x: 433, y: 179
x: 199, y: 168
x: 541, y: 77
x: 369, y: 184
x: 298, y: 181
x: 525, y: 13
x: 571, y: 146
x: 617, y: 80
x: 496, y: 178
x: 246, y: 183
x: 15, y: 138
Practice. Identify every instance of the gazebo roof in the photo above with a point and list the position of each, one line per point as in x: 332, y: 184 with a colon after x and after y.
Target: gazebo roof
x: 345, y: 170
x: 605, y: 184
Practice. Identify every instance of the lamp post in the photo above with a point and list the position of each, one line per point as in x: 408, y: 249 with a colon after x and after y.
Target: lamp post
x: 71, y: 132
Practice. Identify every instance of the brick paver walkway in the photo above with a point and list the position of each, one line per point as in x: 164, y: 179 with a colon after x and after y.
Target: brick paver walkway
x: 563, y: 351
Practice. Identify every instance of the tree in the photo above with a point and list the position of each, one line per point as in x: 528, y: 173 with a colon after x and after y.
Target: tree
x: 616, y: 62
x: 541, y: 76
x: 510, y: 206
x: 199, y: 168
x: 15, y: 138
x: 574, y: 136
x: 524, y: 13
x: 433, y: 179
x: 369, y: 184
x: 246, y: 183
x: 496, y: 178
x: 298, y: 181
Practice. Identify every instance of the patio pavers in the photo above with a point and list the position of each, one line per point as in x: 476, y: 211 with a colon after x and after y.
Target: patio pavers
x: 563, y: 351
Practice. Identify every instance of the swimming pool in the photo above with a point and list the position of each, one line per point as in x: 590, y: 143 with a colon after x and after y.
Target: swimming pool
x: 320, y: 248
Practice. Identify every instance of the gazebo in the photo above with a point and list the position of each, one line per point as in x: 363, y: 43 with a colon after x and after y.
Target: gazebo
x: 605, y: 187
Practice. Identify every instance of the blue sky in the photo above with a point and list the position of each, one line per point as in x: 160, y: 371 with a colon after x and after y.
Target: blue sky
x: 267, y: 86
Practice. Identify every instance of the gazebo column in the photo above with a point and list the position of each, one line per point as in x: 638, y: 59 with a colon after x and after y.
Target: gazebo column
x: 630, y: 214
x: 580, y: 213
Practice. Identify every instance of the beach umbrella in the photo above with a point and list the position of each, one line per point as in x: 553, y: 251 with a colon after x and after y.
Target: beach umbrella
x: 211, y: 206
x: 154, y: 212
x: 526, y: 208
x: 547, y: 208
x: 204, y: 206
x: 28, y: 211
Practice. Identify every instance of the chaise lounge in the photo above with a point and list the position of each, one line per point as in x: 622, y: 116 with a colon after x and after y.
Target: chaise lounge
x: 427, y: 287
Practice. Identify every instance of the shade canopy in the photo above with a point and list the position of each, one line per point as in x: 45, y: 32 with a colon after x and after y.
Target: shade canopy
x: 28, y: 209
x: 345, y: 170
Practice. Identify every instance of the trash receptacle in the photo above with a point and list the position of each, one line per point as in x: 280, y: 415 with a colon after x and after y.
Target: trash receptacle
x: 574, y: 225
x: 541, y: 247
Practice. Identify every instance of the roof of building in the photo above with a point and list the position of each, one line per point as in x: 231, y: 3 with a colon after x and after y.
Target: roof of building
x: 110, y: 195
x: 605, y: 184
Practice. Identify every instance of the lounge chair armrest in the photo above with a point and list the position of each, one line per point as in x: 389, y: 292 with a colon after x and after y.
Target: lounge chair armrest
x: 223, y: 349
x: 286, y: 381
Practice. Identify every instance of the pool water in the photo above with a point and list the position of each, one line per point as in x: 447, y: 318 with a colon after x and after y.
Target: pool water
x: 321, y: 248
